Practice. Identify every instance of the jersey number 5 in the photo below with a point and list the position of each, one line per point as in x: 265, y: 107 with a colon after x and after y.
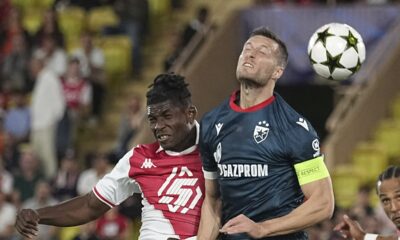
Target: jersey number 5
x: 178, y: 189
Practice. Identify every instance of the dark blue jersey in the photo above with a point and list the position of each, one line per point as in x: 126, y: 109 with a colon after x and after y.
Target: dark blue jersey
x: 252, y: 153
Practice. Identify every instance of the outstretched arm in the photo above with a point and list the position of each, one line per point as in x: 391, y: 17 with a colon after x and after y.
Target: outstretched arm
x: 318, y: 206
x: 73, y: 212
x: 350, y: 228
x: 210, y: 221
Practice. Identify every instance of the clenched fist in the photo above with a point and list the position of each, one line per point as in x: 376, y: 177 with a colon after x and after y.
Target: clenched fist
x: 27, y: 223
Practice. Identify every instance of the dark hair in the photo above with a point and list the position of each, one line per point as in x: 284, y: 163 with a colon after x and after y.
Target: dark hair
x: 283, y: 53
x: 389, y: 173
x: 202, y: 13
x: 74, y: 59
x: 169, y: 86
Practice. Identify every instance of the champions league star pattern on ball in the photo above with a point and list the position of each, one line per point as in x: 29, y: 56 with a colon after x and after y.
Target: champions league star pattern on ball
x: 336, y: 51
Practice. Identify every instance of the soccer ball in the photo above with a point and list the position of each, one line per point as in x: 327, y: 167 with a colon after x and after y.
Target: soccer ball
x: 336, y: 51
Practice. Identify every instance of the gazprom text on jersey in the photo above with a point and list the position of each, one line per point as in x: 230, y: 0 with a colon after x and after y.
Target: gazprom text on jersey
x: 243, y: 170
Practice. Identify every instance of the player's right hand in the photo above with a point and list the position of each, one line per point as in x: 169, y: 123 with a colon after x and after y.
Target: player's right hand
x: 350, y: 229
x: 27, y: 223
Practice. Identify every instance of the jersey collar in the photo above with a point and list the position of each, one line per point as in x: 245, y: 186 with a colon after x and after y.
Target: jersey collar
x: 236, y: 96
x: 186, y: 151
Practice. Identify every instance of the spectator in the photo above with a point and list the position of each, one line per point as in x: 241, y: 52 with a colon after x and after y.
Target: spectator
x: 88, y: 179
x: 91, y: 61
x: 112, y: 225
x: 7, y: 217
x: 87, y: 232
x: 49, y: 27
x: 5, y: 97
x: 15, y: 65
x: 131, y: 120
x: 5, y: 7
x: 177, y: 4
x: 55, y: 58
x: 41, y: 198
x: 66, y: 179
x: 17, y: 120
x: 27, y: 177
x: 134, y: 20
x: 47, y: 108
x: 17, y: 126
x: 362, y: 207
x: 197, y: 25
x: 12, y: 28
x: 6, y: 180
x: 78, y: 94
x: 91, y: 58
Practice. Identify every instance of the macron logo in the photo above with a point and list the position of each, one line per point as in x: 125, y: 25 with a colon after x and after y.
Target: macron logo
x: 148, y: 163
x: 303, y: 123
x: 218, y: 127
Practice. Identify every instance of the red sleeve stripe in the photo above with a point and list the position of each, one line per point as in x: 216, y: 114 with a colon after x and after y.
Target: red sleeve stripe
x: 103, y: 199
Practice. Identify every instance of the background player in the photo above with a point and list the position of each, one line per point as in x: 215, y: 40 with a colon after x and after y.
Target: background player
x: 388, y: 190
x: 261, y: 159
x: 168, y: 173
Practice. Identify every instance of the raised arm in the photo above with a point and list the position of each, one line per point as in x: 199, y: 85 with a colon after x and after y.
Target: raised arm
x: 210, y: 221
x: 73, y: 212
x: 318, y: 206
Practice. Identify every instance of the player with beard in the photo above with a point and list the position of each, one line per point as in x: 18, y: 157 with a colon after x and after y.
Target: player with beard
x: 168, y: 173
x: 265, y: 174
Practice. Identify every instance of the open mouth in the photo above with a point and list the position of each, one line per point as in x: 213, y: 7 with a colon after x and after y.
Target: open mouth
x: 396, y: 219
x: 248, y: 65
x: 162, y: 137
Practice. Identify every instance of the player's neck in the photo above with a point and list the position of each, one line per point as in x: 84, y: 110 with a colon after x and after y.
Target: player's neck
x: 251, y: 95
x: 188, y: 142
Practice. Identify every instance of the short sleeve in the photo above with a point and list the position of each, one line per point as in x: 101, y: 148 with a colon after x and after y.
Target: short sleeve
x: 210, y: 167
x: 116, y: 186
x: 302, y: 142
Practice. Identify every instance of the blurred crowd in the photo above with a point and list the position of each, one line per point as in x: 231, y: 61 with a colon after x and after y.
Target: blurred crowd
x: 50, y: 91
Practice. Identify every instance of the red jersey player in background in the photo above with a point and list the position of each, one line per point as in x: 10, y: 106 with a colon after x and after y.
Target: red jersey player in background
x: 168, y: 173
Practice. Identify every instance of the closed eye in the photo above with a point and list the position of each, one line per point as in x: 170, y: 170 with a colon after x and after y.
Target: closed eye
x: 152, y: 120
x: 167, y: 116
x: 262, y: 52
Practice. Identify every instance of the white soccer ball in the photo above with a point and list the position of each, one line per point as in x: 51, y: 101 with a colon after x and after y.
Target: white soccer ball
x: 336, y: 51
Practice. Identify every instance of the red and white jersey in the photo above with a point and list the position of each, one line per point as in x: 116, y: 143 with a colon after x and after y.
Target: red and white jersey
x: 172, y: 187
x: 76, y: 94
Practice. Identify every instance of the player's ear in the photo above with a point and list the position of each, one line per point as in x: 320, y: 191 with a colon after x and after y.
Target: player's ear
x: 277, y: 73
x: 192, y: 113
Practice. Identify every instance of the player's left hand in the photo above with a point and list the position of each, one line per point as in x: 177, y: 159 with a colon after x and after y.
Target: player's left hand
x: 242, y: 224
